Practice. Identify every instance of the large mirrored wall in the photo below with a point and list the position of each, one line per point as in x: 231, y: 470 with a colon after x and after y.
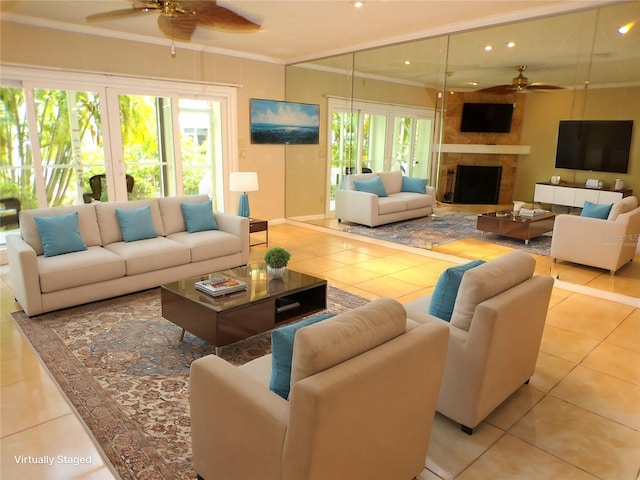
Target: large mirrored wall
x: 429, y: 80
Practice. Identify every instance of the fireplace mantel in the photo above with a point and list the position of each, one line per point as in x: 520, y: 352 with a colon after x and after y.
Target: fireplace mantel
x: 480, y: 148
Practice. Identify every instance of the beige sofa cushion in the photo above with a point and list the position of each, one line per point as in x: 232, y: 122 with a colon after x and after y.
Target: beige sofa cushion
x: 387, y: 205
x: 488, y: 280
x: 358, y: 177
x: 76, y: 269
x: 392, y: 181
x: 208, y: 244
x: 623, y: 205
x: 171, y: 212
x: 324, y: 344
x: 87, y: 225
x: 414, y: 200
x: 110, y: 225
x: 151, y: 254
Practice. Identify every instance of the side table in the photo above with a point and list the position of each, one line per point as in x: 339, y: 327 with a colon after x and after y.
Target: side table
x: 255, y: 226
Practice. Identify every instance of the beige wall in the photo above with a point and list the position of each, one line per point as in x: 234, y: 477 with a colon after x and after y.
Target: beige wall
x: 540, y: 130
x: 25, y: 45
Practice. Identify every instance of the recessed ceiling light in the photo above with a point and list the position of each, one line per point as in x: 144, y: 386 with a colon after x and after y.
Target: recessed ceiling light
x: 488, y: 48
x: 625, y: 28
x: 511, y: 44
x: 475, y: 84
x: 358, y: 4
x: 407, y: 62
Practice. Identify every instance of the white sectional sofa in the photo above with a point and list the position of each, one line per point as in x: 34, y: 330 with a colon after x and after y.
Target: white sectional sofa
x: 109, y: 266
x: 399, y: 201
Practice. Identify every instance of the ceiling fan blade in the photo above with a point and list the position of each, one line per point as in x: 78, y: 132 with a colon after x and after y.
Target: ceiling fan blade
x: 221, y: 18
x: 499, y: 89
x: 178, y: 28
x: 542, y: 86
x: 124, y: 12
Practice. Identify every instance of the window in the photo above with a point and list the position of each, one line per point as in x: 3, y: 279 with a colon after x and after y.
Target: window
x: 59, y: 129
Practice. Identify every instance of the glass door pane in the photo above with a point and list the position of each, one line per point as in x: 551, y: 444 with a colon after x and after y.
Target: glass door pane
x: 201, y: 149
x: 402, y: 144
x: 342, y: 148
x: 422, y: 148
x: 147, y: 141
x: 70, y: 135
x: 17, y: 178
x: 374, y: 142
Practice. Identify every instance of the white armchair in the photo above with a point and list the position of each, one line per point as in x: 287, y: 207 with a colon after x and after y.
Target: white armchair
x: 599, y: 243
x: 362, y: 403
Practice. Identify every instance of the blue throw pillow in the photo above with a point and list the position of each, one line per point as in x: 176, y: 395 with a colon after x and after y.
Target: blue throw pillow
x: 136, y: 224
x: 198, y: 217
x: 446, y: 291
x: 595, y: 211
x: 282, y: 353
x: 414, y: 185
x: 373, y: 185
x: 60, y: 234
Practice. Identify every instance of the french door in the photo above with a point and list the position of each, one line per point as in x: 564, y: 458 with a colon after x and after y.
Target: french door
x: 58, y: 130
x: 367, y: 136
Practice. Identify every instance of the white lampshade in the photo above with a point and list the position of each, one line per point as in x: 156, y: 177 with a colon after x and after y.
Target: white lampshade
x: 243, y: 181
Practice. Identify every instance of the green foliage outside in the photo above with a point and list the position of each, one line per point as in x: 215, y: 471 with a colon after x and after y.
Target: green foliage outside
x: 71, y: 146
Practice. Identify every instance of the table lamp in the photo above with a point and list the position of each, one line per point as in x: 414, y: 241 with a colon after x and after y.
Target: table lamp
x: 243, y: 182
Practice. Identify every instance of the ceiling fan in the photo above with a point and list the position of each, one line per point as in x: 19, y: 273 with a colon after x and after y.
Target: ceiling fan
x: 519, y: 84
x: 179, y: 19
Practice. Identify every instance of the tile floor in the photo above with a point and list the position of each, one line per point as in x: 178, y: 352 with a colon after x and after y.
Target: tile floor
x: 579, y: 417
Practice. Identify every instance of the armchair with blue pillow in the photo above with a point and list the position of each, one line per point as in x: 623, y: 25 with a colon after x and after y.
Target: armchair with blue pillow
x: 361, y: 405
x: 602, y: 236
x: 495, y: 312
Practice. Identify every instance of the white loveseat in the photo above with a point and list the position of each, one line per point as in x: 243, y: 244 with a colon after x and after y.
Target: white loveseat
x: 110, y: 266
x: 372, y: 210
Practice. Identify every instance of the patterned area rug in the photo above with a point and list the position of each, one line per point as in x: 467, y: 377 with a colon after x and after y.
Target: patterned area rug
x: 445, y: 227
x: 127, y: 373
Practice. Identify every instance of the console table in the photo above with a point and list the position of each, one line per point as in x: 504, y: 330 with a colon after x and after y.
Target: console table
x: 572, y: 195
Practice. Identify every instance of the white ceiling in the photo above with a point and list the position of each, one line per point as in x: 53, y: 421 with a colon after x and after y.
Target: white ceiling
x: 299, y: 30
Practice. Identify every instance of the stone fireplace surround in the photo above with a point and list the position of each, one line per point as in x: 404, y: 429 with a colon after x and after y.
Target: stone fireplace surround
x: 451, y: 157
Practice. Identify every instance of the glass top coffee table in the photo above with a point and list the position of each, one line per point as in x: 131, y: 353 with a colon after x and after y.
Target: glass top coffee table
x: 508, y: 224
x: 265, y: 304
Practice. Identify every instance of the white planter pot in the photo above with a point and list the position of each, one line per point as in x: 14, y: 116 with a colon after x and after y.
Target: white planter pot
x: 275, y: 272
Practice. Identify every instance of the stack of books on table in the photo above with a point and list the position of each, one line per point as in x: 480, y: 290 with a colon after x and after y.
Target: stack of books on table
x: 530, y: 212
x: 220, y: 286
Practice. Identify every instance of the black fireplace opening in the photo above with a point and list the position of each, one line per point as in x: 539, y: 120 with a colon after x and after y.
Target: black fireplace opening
x: 477, y: 184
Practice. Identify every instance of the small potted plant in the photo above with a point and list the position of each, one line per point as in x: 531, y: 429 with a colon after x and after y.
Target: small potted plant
x: 276, y: 259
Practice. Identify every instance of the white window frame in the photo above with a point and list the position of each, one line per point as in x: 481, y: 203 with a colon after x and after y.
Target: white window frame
x: 109, y: 87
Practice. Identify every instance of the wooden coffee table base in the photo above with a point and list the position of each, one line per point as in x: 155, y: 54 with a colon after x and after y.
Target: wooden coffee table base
x: 516, y: 226
x: 225, y: 320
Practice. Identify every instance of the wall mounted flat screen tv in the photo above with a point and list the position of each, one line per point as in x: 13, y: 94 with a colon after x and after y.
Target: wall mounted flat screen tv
x: 598, y: 145
x: 486, y: 117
